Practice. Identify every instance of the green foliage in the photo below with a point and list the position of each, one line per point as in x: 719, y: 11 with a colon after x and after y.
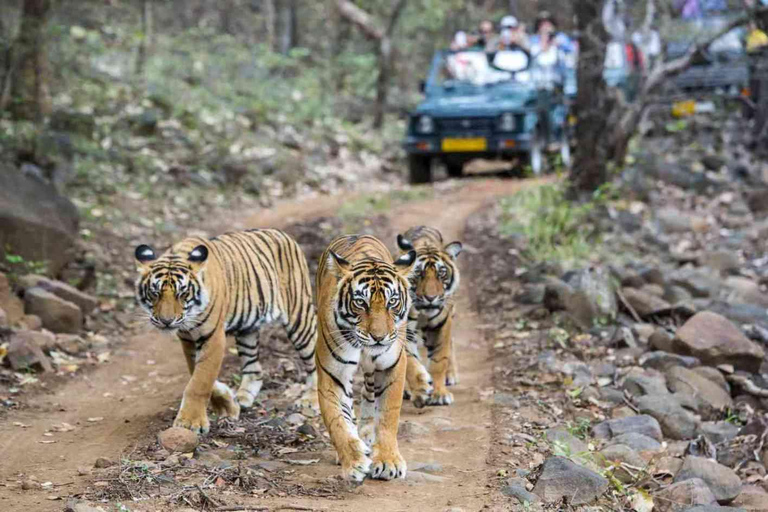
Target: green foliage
x: 19, y: 266
x: 579, y: 429
x: 555, y: 228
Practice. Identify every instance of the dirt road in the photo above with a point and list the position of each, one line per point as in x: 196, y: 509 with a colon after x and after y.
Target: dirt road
x: 124, y: 403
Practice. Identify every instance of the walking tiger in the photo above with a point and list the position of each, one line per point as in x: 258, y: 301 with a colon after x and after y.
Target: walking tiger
x: 228, y: 285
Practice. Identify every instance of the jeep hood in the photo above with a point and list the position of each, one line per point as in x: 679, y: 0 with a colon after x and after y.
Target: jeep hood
x: 481, y: 101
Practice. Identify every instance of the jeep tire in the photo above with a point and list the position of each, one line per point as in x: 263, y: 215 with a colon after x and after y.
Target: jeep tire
x: 420, y: 169
x: 454, y: 169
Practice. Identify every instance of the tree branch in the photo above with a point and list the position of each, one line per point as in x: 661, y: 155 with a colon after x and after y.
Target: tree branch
x: 397, y: 10
x: 363, y: 20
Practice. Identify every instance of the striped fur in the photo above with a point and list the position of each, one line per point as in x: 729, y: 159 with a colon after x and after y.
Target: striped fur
x: 363, y: 304
x: 229, y: 285
x: 433, y: 285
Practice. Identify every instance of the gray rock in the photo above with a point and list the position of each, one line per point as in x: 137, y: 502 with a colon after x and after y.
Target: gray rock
x: 746, y: 290
x: 555, y: 293
x: 713, y: 508
x: 617, y: 454
x: 641, y: 424
x: 531, y: 294
x: 752, y: 498
x: 722, y: 481
x: 639, y: 382
x: 681, y: 495
x: 35, y: 221
x: 24, y: 354
x: 662, y: 361
x: 718, y: 431
x: 85, y: 302
x: 661, y: 340
x: 710, y: 397
x: 638, y: 442
x: 675, y: 421
x: 715, y: 340
x: 593, y: 296
x: 518, y: 491
x: 676, y: 295
x: 560, y: 478
x: 698, y: 283
x: 672, y: 220
x: 57, y: 314
x: 722, y: 261
x: 714, y: 375
x: 644, y: 303
x: 740, y: 313
x: 611, y: 395
x: 569, y: 443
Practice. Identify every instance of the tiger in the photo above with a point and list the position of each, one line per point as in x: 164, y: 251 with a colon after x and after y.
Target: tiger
x: 435, y: 281
x: 231, y: 284
x: 363, y: 304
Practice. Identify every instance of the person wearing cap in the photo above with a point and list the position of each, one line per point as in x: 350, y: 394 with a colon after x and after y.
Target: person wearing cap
x: 546, y: 35
x: 513, y: 33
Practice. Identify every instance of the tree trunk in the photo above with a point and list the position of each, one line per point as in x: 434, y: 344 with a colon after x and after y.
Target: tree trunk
x: 27, y: 81
x: 145, y: 44
x: 592, y: 100
x: 270, y: 21
x: 382, y: 82
x: 287, y: 26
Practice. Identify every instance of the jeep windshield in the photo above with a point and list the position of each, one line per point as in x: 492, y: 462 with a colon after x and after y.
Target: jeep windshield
x: 475, y: 68
x: 681, y: 34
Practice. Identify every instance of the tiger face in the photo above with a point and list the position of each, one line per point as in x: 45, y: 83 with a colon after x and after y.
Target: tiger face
x: 372, y: 301
x: 170, y: 288
x: 435, y: 274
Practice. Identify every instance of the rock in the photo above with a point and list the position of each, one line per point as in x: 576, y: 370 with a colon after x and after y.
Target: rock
x: 517, y: 490
x: 639, y: 382
x: 661, y: 340
x: 57, y: 314
x: 412, y: 429
x: 25, y: 354
x: 675, y: 421
x: 418, y: 476
x: 560, y: 478
x: 35, y: 221
x: 531, y: 294
x: 715, y: 375
x: 668, y: 466
x: 295, y: 419
x: 12, y: 305
x: 644, y: 303
x: 713, y: 508
x: 28, y: 485
x: 617, y: 454
x: 681, y: 495
x: 568, y: 443
x: 555, y: 293
x: 45, y: 340
x: 757, y: 201
x: 697, y: 282
x: 641, y: 424
x: 718, y: 431
x: 638, y: 442
x: 307, y: 429
x: 711, y: 397
x: 746, y: 290
x: 662, y: 361
x: 85, y: 302
x: 722, y: 481
x: 752, y: 498
x: 82, y: 507
x: 4, y: 322
x: 31, y: 322
x: 593, y: 297
x: 722, y: 261
x: 103, y: 462
x: 176, y: 439
x: 715, y: 340
x: 677, y: 295
x: 672, y: 220
x: 71, y: 343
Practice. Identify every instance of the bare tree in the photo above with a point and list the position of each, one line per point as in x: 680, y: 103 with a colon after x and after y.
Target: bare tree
x: 145, y: 44
x: 287, y: 22
x: 382, y: 34
x: 269, y: 23
x: 26, y: 87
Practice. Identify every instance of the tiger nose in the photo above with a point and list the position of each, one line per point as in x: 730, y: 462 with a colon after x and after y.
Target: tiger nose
x: 166, y: 321
x: 378, y: 339
x: 430, y: 298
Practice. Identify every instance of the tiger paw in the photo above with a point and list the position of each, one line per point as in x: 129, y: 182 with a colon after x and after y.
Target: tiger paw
x: 223, y: 402
x: 356, y: 469
x: 248, y: 391
x: 309, y: 400
x: 451, y: 379
x: 193, y: 420
x: 440, y: 397
x: 388, y: 467
x: 368, y: 435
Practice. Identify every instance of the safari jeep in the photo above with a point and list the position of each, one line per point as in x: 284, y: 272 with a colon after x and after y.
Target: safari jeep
x: 476, y: 107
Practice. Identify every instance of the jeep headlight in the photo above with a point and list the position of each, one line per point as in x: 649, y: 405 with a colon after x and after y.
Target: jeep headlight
x: 507, y: 122
x: 425, y: 124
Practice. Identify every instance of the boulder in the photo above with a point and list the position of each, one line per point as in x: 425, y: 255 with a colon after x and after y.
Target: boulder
x: 24, y: 354
x: 698, y: 282
x: 36, y: 223
x: 639, y: 382
x: 746, y: 290
x: 57, y: 314
x: 675, y: 421
x: 642, y: 302
x: 593, y: 296
x: 45, y: 340
x: 711, y: 398
x: 662, y: 361
x: 177, y: 439
x: 714, y: 375
x: 569, y: 443
x: 661, y: 340
x: 617, y: 454
x: 638, y: 442
x: 740, y: 313
x: 516, y: 489
x: 681, y: 495
x: 641, y: 424
x: 715, y: 340
x: 85, y: 302
x: 560, y: 478
x: 752, y: 498
x: 718, y: 431
x: 722, y: 481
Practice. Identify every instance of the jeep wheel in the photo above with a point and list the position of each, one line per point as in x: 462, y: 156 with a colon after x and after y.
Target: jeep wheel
x: 420, y: 168
x: 455, y: 170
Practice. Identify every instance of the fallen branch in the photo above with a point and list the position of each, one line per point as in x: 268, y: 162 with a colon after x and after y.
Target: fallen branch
x: 628, y: 306
x: 747, y: 384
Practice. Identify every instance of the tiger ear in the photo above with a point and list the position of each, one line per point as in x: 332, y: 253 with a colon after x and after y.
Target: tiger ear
x: 404, y: 264
x: 404, y: 244
x: 197, y: 257
x: 454, y: 249
x: 144, y: 255
x: 338, y: 264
